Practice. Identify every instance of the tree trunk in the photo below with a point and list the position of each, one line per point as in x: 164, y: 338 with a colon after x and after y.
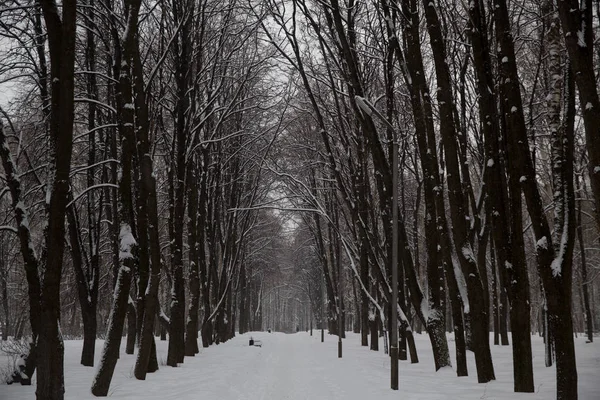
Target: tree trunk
x: 503, y: 318
x: 131, y: 327
x: 548, y: 337
x: 87, y: 287
x: 554, y: 262
x: 61, y: 41
x: 587, y: 310
x: 191, y: 336
x: 578, y: 30
x: 495, y: 305
x: 508, y: 242
x: 373, y: 329
x: 364, y: 299
x: 89, y: 336
x: 4, y: 290
x: 436, y: 229
x: 127, y: 243
x: 110, y: 353
x: 458, y: 211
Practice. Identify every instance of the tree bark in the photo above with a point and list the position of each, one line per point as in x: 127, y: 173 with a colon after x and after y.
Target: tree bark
x: 61, y: 42
x: 589, y: 320
x: 191, y: 336
x: 578, y: 30
x: 458, y: 210
x: 554, y: 263
x: 110, y: 353
x: 128, y: 244
x: 508, y: 241
x: 132, y: 328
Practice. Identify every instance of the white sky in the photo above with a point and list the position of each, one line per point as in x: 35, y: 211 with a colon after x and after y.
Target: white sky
x: 6, y: 93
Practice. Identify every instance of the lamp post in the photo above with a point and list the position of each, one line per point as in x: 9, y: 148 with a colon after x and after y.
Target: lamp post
x: 394, y: 266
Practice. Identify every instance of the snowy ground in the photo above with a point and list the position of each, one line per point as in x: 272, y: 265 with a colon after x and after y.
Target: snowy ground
x: 298, y: 366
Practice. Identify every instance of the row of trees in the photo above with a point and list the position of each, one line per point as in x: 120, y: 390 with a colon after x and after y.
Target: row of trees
x: 148, y: 143
x: 499, y: 164
x: 132, y: 156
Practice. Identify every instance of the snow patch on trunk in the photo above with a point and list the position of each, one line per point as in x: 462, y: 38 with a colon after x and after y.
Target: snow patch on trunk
x: 542, y: 243
x: 126, y: 242
x: 461, y: 283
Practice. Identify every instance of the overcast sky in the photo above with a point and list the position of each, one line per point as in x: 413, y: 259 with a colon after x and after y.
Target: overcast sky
x: 6, y: 93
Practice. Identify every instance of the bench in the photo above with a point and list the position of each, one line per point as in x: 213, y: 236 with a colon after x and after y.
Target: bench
x: 256, y: 343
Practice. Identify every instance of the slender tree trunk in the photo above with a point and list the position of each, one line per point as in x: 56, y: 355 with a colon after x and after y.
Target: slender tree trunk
x: 508, y: 242
x: 132, y: 321
x: 436, y: 230
x: 458, y: 212
x: 191, y: 336
x: 587, y: 310
x: 503, y: 317
x: 578, y: 31
x: 495, y: 305
x: 89, y: 336
x: 548, y: 336
x: 4, y: 289
x: 176, y: 351
x: 87, y: 287
x: 554, y: 261
x: 364, y: 300
x: 110, y: 354
x: 31, y: 262
x: 146, y: 360
x: 127, y: 242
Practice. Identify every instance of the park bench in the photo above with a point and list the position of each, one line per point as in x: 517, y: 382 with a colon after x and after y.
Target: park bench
x: 256, y: 343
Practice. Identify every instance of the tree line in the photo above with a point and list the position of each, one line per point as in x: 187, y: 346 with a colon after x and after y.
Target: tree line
x: 196, y: 168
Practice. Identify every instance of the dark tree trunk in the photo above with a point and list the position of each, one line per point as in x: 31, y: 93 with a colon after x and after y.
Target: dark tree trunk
x: 508, y: 240
x: 244, y: 308
x: 548, y: 337
x: 495, y: 305
x: 578, y: 30
x: 21, y: 215
x: 87, y: 287
x: 436, y: 230
x: 191, y: 335
x: 412, y: 348
x: 585, y: 284
x: 357, y: 312
x: 364, y: 299
x: 374, y: 331
x: 4, y: 290
x: 89, y: 337
x: 110, y: 353
x: 176, y: 351
x: 554, y: 260
x: 131, y: 327
x: 503, y: 318
x: 458, y: 211
x: 61, y: 41
x: 127, y: 243
x: 148, y: 214
x: 27, y: 252
x: 152, y: 359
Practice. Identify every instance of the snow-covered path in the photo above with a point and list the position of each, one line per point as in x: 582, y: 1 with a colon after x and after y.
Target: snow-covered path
x: 300, y: 367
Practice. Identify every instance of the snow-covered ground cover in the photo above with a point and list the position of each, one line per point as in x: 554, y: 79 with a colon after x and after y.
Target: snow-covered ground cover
x: 298, y: 366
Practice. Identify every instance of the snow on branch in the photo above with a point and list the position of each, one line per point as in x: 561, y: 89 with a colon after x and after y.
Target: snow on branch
x: 9, y: 228
x: 98, y: 186
x: 369, y: 109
